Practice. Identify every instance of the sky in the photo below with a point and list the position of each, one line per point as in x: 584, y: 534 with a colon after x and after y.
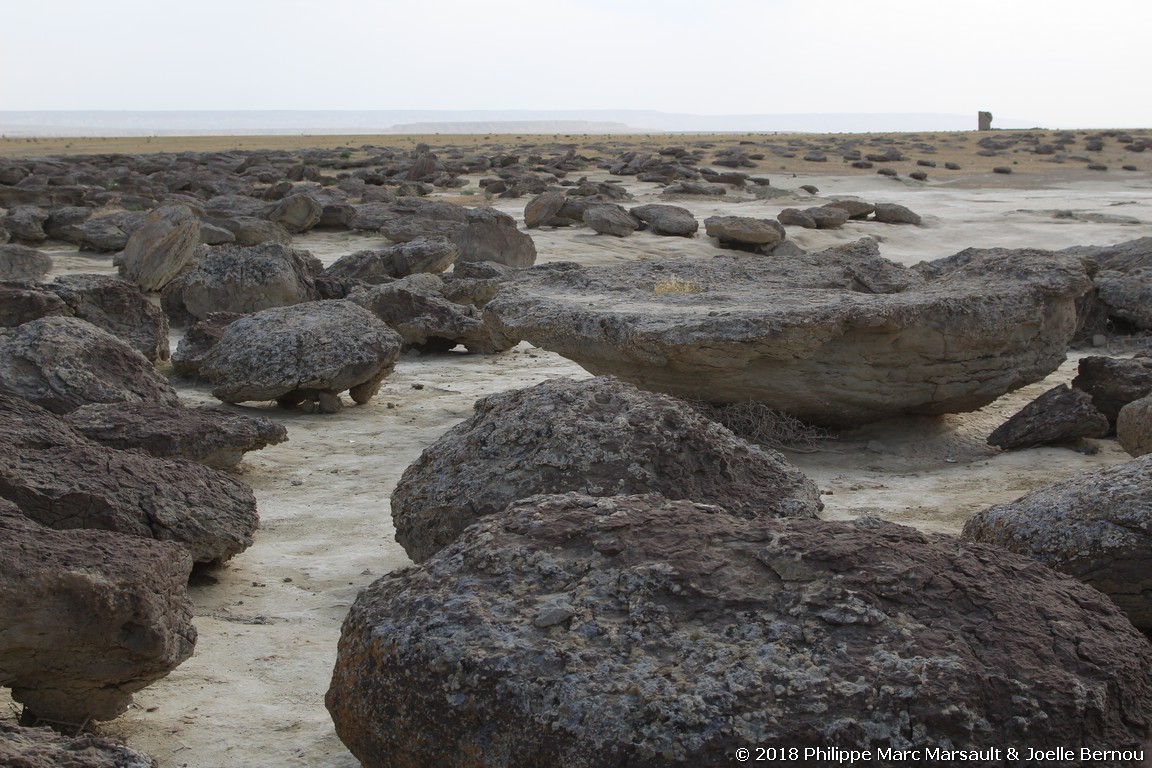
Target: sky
x: 1056, y: 64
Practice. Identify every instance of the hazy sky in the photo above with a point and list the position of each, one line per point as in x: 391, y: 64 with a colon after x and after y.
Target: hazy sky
x: 1055, y: 64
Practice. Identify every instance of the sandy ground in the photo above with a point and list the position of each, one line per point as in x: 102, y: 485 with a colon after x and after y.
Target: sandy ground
x: 269, y: 620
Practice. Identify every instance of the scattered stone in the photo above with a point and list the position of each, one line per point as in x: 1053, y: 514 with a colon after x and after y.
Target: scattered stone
x: 794, y: 217
x: 1060, y: 415
x: 858, y: 210
x: 1096, y: 527
x: 311, y: 351
x: 891, y: 213
x: 691, y: 631
x: 596, y: 436
x: 1002, y: 169
x: 90, y: 617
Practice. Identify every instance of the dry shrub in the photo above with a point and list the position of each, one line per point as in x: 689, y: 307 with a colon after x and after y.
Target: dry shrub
x: 757, y: 423
x: 675, y: 285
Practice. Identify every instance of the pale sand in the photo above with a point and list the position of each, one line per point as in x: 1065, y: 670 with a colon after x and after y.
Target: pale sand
x: 252, y: 695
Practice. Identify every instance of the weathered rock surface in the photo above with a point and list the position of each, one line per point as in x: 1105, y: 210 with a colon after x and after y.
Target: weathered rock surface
x: 669, y: 220
x: 200, y: 337
x: 597, y: 436
x: 1113, y: 382
x: 214, y: 436
x: 63, y: 480
x: 744, y: 233
x: 90, y: 617
x: 117, y: 307
x: 492, y: 236
x: 163, y: 247
x: 19, y: 262
x: 296, y: 213
x: 848, y: 337
x: 578, y: 631
x: 310, y: 351
x: 1134, y: 427
x: 25, y: 300
x: 431, y: 255
x: 43, y: 747
x: 1096, y: 526
x: 243, y: 279
x: 542, y: 210
x: 1059, y: 415
x: 1128, y: 295
x: 610, y: 219
x: 62, y: 363
x: 416, y: 308
x: 891, y: 213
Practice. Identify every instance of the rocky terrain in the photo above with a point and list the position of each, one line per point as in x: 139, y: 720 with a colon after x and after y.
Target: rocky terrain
x: 901, y: 339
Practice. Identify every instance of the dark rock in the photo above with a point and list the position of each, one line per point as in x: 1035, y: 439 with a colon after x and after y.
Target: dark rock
x: 857, y: 210
x: 25, y: 300
x: 432, y: 255
x: 64, y: 481
x: 25, y: 223
x: 214, y: 436
x: 667, y: 219
x: 794, y: 217
x: 744, y: 233
x: 19, y: 262
x: 118, y: 308
x: 891, y: 213
x: 104, y: 234
x: 90, y: 617
x: 1059, y: 415
x: 636, y: 631
x: 1114, y: 382
x: 828, y: 217
x: 597, y: 436
x: 198, y: 339
x: 62, y: 363
x: 310, y: 351
x: 1095, y: 526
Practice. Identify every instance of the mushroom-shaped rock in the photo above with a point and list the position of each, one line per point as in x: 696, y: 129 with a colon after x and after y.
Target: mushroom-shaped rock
x: 578, y: 631
x: 212, y: 435
x: 62, y: 363
x: 1096, y: 526
x: 90, y: 617
x: 311, y: 351
x: 596, y: 436
x: 848, y: 337
x: 63, y: 480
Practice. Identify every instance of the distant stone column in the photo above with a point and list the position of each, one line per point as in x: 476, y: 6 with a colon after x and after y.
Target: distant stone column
x: 985, y: 120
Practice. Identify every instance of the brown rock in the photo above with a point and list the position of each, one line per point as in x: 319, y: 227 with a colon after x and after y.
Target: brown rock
x: 1134, y: 427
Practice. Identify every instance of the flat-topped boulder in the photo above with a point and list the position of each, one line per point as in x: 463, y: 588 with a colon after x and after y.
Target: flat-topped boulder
x: 310, y: 351
x: 90, y: 617
x: 579, y: 631
x: 847, y: 337
x: 598, y: 436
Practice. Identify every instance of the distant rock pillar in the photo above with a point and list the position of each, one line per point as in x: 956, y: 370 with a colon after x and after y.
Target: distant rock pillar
x: 985, y: 121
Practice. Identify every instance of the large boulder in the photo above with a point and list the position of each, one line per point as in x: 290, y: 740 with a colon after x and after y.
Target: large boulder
x: 597, y: 436
x: 1059, y: 415
x: 1134, y: 427
x: 492, y: 236
x: 1113, y: 382
x: 610, y: 219
x: 90, y: 617
x: 117, y: 307
x: 25, y: 300
x: 244, y: 279
x: 423, y: 254
x: 669, y: 220
x: 579, y: 631
x: 163, y: 247
x: 310, y: 351
x: 63, y: 480
x: 847, y: 338
x: 416, y: 308
x: 19, y: 262
x: 42, y: 747
x: 1095, y: 526
x: 25, y: 223
x: 745, y: 233
x: 62, y: 363
x: 297, y: 213
x: 215, y: 436
x: 1127, y: 295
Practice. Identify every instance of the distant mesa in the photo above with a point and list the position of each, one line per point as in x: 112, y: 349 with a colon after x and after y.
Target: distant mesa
x: 516, y: 127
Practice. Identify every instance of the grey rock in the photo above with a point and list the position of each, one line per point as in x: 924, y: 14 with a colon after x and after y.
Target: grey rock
x: 25, y: 223
x: 598, y: 436
x: 857, y: 209
x: 1128, y: 295
x: 297, y: 213
x: 794, y: 217
x: 1134, y: 427
x: 610, y: 219
x: 216, y: 437
x: 118, y: 308
x: 90, y: 617
x: 542, y: 209
x: 1095, y: 526
x: 891, y: 213
x: 19, y: 262
x: 243, y: 279
x: 27, y: 747
x: 421, y: 255
x: 848, y: 337
x: 311, y: 351
x: 62, y: 363
x: 693, y: 632
x: 200, y: 336
x: 745, y: 232
x: 1113, y: 382
x: 828, y: 217
x: 667, y: 219
x: 491, y: 236
x: 1059, y: 415
x: 252, y: 231
x: 163, y: 247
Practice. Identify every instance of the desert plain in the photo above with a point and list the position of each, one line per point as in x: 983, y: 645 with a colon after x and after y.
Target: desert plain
x: 269, y: 619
